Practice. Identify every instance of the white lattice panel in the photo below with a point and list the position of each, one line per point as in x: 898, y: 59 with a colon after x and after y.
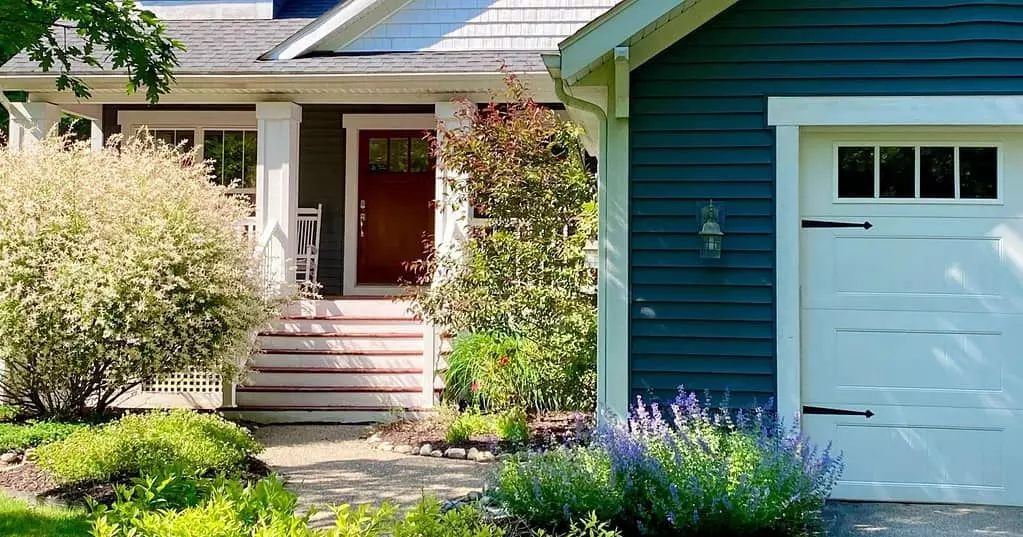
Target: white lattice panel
x: 191, y: 381
x: 188, y: 389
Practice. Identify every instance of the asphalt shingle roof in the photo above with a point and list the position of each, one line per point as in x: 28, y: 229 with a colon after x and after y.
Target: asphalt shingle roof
x: 234, y: 47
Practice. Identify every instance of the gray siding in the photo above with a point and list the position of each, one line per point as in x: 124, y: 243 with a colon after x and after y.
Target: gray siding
x: 321, y: 172
x: 699, y: 132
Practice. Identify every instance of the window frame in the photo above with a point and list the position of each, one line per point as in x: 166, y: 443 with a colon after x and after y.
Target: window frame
x: 197, y: 121
x: 878, y: 143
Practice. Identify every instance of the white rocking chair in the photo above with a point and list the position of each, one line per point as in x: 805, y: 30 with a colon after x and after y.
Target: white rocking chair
x: 308, y: 257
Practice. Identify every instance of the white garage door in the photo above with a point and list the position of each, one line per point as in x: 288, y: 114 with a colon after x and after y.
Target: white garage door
x: 918, y: 319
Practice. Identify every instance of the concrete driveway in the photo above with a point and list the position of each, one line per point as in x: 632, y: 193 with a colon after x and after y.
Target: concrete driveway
x: 854, y: 519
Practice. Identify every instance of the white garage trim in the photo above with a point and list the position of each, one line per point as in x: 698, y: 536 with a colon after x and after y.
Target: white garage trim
x: 788, y: 115
x: 993, y: 111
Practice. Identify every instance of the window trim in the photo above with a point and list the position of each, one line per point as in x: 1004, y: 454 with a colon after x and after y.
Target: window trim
x: 917, y: 144
x: 198, y: 121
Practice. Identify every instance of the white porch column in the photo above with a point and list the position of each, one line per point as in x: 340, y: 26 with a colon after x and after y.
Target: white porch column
x: 30, y: 123
x: 277, y: 188
x: 450, y: 224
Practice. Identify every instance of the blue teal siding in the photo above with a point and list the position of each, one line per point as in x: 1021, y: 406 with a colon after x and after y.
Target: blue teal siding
x: 699, y: 131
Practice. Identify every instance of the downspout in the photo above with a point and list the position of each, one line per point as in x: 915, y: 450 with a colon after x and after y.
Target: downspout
x: 602, y: 273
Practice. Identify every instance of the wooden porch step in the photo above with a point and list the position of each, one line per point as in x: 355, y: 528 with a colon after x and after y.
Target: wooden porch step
x: 314, y: 413
x: 333, y: 408
x: 332, y: 389
x: 361, y: 335
x: 341, y: 352
x: 339, y: 370
x: 352, y: 318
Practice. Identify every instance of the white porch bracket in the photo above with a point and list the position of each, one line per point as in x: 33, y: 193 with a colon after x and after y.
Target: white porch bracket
x: 277, y: 189
x: 30, y: 123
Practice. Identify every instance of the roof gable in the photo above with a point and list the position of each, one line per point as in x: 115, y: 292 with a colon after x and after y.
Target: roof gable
x: 442, y: 25
x: 646, y: 26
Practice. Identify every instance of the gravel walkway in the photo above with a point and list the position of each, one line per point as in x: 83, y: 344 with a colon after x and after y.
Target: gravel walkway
x: 329, y: 465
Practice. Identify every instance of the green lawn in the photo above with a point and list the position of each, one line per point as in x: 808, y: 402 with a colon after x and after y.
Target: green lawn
x: 21, y: 519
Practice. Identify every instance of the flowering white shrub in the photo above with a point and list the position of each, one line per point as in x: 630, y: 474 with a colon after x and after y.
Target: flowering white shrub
x: 117, y: 267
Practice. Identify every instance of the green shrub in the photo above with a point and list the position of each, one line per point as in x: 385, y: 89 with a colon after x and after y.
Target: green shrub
x: 549, y: 490
x: 513, y: 426
x: 119, y: 267
x: 9, y: 413
x: 148, y: 443
x: 523, y: 277
x: 21, y: 436
x: 497, y: 372
x: 468, y: 424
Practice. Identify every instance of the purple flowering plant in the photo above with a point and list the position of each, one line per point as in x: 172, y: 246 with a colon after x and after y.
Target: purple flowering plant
x: 681, y: 469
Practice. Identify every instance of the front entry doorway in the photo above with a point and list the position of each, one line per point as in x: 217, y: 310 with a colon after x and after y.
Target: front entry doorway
x: 396, y: 187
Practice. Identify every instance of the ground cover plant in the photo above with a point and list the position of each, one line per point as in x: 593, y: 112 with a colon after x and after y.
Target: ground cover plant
x: 22, y: 436
x: 679, y: 469
x: 118, y: 267
x: 144, y: 443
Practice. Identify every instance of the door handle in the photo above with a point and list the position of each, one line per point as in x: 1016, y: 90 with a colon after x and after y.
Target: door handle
x: 362, y: 219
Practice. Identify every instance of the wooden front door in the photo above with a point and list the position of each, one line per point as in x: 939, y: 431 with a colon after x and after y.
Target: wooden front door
x: 396, y: 207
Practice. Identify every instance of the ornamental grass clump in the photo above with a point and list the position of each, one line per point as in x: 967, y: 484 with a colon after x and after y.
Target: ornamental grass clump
x: 682, y: 470
x: 118, y: 267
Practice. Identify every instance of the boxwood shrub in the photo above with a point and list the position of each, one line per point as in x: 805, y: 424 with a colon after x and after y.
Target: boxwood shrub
x: 153, y: 442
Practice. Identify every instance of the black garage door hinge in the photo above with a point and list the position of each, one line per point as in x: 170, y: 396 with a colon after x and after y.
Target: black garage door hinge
x: 825, y: 223
x: 837, y: 411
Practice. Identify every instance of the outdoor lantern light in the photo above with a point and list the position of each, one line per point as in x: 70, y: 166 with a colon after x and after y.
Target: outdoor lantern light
x: 711, y: 236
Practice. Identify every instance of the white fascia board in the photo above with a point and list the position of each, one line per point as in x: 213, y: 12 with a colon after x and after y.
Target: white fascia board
x: 895, y: 111
x: 406, y: 88
x: 648, y: 27
x: 351, y: 17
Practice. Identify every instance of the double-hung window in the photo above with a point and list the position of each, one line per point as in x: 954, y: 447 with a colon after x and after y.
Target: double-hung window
x: 226, y: 139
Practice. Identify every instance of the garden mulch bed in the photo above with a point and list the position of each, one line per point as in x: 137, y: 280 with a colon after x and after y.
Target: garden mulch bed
x: 545, y: 430
x: 29, y: 479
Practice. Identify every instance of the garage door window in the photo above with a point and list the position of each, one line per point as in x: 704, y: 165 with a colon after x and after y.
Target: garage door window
x: 920, y: 172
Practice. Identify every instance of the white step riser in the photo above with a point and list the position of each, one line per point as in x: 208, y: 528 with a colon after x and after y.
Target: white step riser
x: 339, y: 361
x: 307, y: 399
x: 347, y: 327
x: 334, y: 379
x: 353, y: 344
x: 321, y: 416
x: 354, y: 308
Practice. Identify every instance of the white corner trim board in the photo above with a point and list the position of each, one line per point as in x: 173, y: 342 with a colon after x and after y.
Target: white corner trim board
x: 353, y: 124
x: 988, y: 111
x: 789, y: 115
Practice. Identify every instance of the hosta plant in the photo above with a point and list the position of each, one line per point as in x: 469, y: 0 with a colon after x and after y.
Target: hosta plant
x: 117, y: 267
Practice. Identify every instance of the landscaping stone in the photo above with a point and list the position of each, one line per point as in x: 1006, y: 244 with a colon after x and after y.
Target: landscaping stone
x: 425, y: 450
x: 385, y: 446
x: 472, y: 454
x: 504, y: 456
x: 455, y: 453
x: 437, y: 453
x: 405, y: 448
x: 10, y: 458
x: 485, y: 457
x: 374, y: 438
